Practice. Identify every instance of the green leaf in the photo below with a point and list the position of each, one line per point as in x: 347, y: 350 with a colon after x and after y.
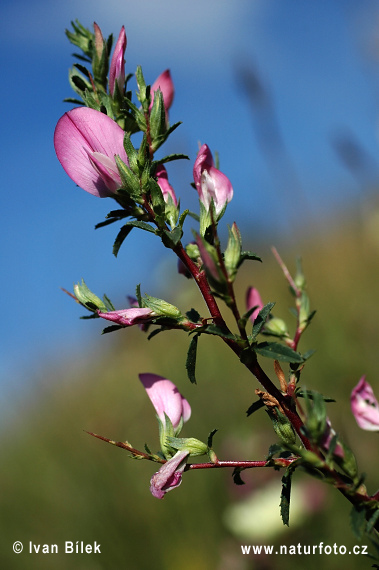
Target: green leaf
x: 358, y: 521
x: 278, y: 352
x: 122, y: 234
x: 248, y: 255
x: 261, y: 318
x: 210, y: 437
x: 193, y: 316
x: 255, y: 406
x: 237, y: 476
x: 285, y: 496
x: 372, y: 520
x: 171, y: 157
x: 112, y: 328
x: 300, y: 393
x: 213, y: 329
x: 191, y: 359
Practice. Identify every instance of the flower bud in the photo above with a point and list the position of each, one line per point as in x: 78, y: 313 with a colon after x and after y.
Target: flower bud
x: 253, y: 299
x: 164, y: 185
x: 276, y: 327
x: 165, y: 84
x: 282, y: 426
x: 117, y: 68
x: 194, y: 446
x: 211, y: 184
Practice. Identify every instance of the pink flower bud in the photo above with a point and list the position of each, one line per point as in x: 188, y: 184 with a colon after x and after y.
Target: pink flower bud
x: 165, y: 186
x: 253, y: 299
x: 99, y: 40
x: 165, y: 84
x: 169, y: 475
x: 166, y: 399
x: 128, y: 317
x: 211, y: 184
x: 86, y: 142
x: 365, y: 406
x: 117, y: 68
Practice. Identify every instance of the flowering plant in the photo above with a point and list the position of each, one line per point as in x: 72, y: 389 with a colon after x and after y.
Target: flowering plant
x: 93, y: 142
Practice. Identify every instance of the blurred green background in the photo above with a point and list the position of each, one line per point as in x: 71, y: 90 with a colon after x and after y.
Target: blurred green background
x: 294, y: 86
x: 59, y: 484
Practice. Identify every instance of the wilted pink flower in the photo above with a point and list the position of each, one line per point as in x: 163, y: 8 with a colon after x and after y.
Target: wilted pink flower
x: 129, y: 317
x: 117, y: 67
x: 165, y: 186
x: 169, y: 475
x: 165, y: 84
x: 211, y: 184
x: 365, y: 406
x: 86, y: 142
x: 253, y: 299
x: 327, y: 437
x: 166, y: 398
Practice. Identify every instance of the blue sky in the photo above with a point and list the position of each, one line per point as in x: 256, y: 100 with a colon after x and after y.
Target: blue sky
x: 319, y: 65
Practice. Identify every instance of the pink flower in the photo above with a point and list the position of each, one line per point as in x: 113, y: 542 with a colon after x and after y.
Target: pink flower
x: 86, y: 142
x: 169, y: 475
x: 365, y: 406
x: 128, y: 317
x: 117, y: 68
x: 211, y: 184
x: 253, y: 299
x: 165, y: 186
x: 165, y: 84
x: 166, y: 399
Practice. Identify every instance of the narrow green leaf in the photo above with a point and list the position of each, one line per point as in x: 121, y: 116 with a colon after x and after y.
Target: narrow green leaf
x: 111, y: 329
x: 237, y: 476
x: 285, y: 497
x: 261, y: 318
x: 278, y: 352
x: 254, y: 407
x: 171, y: 157
x: 122, y: 234
x: 213, y: 329
x: 191, y: 359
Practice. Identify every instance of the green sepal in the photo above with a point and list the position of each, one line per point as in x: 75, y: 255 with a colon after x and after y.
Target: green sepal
x: 161, y: 307
x: 89, y: 299
x: 157, y: 117
x: 143, y: 92
x: 130, y: 182
x: 232, y: 252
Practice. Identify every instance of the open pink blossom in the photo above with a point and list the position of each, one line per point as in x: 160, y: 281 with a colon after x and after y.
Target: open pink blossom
x: 169, y: 475
x: 365, y: 406
x: 253, y: 299
x: 166, y: 398
x: 165, y: 186
x: 117, y: 67
x: 165, y: 84
x: 86, y: 142
x: 211, y: 184
x: 129, y: 317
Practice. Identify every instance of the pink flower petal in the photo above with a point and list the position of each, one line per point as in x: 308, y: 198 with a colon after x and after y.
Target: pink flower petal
x: 253, y: 299
x: 365, y: 406
x: 166, y: 398
x: 211, y: 184
x: 117, y: 67
x: 83, y: 133
x: 165, y: 84
x: 128, y: 317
